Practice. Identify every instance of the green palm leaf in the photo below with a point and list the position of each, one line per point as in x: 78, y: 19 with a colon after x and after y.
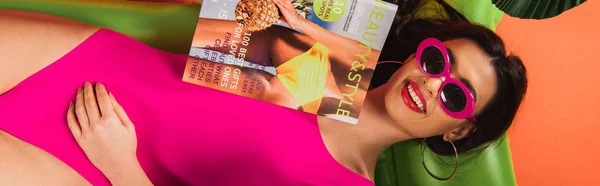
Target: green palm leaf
x: 535, y: 9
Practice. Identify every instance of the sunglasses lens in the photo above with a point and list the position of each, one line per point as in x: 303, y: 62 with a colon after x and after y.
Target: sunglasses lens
x: 432, y: 60
x: 453, y: 97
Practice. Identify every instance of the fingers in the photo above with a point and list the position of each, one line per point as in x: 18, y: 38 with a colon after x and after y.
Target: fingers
x: 72, y: 121
x: 278, y: 4
x: 118, y: 109
x: 91, y: 105
x: 281, y: 6
x: 106, y: 107
x: 287, y: 12
x: 287, y: 4
x: 80, y: 110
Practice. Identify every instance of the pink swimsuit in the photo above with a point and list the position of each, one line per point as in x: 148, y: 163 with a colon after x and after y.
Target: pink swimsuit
x: 187, y: 134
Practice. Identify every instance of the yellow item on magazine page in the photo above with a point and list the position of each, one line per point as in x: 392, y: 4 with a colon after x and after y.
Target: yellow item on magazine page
x: 305, y: 76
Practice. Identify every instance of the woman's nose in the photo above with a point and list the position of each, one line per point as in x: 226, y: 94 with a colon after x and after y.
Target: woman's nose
x: 433, y: 84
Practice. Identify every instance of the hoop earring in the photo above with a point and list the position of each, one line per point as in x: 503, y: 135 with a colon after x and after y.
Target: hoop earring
x: 429, y: 172
x: 396, y: 62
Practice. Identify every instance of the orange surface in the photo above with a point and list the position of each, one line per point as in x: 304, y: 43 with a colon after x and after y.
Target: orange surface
x: 556, y: 137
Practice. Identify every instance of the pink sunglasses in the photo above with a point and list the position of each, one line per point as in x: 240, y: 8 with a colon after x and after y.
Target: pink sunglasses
x: 455, y: 98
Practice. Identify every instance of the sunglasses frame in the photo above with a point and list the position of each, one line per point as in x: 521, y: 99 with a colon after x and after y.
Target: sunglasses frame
x: 465, y: 113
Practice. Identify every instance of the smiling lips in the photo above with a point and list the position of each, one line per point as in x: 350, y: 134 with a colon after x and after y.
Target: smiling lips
x: 413, y: 98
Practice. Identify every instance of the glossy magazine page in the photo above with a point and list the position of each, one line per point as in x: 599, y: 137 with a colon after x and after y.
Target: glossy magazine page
x: 317, y: 56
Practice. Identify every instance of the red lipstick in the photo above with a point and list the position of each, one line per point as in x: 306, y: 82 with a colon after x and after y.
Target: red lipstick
x: 417, y: 90
x: 408, y: 100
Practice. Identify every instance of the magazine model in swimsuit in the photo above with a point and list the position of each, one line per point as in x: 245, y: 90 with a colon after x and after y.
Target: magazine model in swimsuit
x: 316, y: 56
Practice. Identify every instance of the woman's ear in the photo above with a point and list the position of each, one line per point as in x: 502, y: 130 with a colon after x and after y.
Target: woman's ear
x: 460, y: 133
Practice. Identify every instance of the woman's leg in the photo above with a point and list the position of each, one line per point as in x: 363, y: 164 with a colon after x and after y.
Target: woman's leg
x: 30, y: 42
x: 24, y: 164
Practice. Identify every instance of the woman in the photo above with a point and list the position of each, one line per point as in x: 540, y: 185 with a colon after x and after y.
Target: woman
x: 187, y: 134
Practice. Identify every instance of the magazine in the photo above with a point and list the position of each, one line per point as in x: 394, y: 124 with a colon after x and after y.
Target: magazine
x: 316, y: 56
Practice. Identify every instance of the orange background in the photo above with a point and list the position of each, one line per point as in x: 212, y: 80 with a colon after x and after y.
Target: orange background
x: 555, y: 139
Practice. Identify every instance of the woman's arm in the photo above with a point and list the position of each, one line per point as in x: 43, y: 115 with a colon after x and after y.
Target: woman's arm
x: 342, y: 49
x: 107, y: 136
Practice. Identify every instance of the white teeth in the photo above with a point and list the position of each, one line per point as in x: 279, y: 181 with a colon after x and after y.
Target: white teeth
x: 415, y: 98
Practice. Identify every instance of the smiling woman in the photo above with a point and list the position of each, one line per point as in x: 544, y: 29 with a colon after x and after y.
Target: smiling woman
x: 468, y: 45
x: 203, y: 142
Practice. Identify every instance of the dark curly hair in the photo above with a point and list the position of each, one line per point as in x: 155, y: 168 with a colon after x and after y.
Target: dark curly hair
x: 409, y: 30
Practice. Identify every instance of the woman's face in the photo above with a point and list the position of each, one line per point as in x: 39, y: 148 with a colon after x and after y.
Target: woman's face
x: 471, y: 64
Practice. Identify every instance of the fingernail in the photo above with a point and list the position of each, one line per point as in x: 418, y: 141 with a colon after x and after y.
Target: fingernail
x: 78, y: 89
x: 71, y: 104
x: 87, y: 83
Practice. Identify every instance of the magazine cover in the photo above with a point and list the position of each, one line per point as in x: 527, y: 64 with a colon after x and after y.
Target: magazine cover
x: 316, y: 56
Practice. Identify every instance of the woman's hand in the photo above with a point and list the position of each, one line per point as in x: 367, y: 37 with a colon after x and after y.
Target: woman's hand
x: 107, y: 136
x: 290, y: 16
